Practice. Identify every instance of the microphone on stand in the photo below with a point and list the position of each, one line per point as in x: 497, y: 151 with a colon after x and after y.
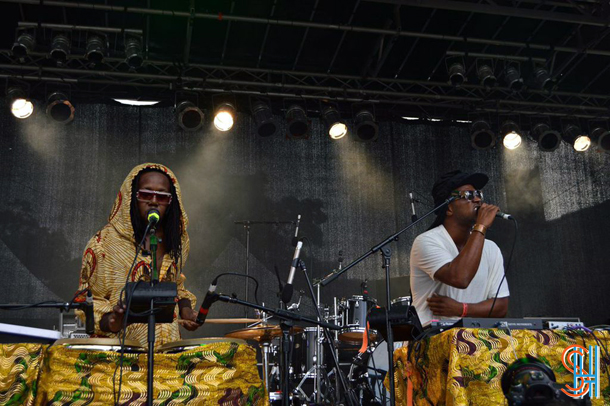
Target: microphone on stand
x: 153, y: 217
x: 287, y: 291
x: 296, y: 232
x: 413, y: 216
x: 210, y: 297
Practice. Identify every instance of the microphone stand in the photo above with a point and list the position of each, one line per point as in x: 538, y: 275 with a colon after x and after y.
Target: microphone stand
x: 61, y: 306
x: 386, y: 252
x: 288, y: 318
x: 247, y: 224
x: 349, y: 393
x: 151, y: 317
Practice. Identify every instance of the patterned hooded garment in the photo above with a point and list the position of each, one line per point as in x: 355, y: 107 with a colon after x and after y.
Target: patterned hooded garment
x: 110, y: 253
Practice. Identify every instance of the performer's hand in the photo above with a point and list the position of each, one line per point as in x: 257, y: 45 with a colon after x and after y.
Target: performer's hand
x: 115, y: 321
x: 444, y: 306
x: 188, y: 319
x: 487, y: 214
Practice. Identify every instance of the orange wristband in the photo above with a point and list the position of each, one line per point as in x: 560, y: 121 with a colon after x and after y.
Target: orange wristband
x: 464, y: 309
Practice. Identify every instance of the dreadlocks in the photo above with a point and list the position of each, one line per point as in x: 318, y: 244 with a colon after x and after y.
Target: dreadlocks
x: 171, y: 222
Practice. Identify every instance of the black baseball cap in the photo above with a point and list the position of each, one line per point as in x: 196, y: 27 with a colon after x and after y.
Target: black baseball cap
x: 450, y: 181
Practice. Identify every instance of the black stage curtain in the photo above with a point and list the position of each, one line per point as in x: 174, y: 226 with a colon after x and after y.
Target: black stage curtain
x: 59, y: 182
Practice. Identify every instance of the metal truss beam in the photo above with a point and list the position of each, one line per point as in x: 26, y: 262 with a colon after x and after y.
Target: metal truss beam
x: 339, y: 27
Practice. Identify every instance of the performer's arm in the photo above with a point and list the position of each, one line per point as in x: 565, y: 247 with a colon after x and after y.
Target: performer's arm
x: 447, y: 307
x: 463, y: 268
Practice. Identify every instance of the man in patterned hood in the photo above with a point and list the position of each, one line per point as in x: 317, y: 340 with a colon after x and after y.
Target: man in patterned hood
x: 110, y: 253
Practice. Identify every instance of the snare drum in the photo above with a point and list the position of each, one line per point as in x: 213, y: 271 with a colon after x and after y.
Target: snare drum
x: 100, y: 344
x: 355, y: 311
x: 185, y: 345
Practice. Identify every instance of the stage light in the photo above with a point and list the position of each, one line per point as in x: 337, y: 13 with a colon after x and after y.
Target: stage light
x: 486, y: 75
x: 547, y: 139
x: 24, y: 44
x: 133, y: 52
x: 60, y: 48
x: 21, y: 106
x: 298, y: 124
x: 511, y: 134
x: 224, y: 117
x: 513, y: 78
x: 59, y: 108
x: 263, y: 117
x: 365, y: 127
x: 95, y: 49
x: 543, y: 79
x: 481, y: 136
x: 457, y: 73
x: 190, y: 117
x: 574, y: 136
x: 131, y: 102
x: 601, y: 137
x: 336, y: 128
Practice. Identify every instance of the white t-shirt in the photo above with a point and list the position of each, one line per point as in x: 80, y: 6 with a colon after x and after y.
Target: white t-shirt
x: 435, y: 248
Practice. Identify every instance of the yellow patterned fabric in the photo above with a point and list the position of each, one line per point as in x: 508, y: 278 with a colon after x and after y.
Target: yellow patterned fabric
x: 464, y: 366
x: 110, y: 253
x: 223, y: 373
x: 19, y: 368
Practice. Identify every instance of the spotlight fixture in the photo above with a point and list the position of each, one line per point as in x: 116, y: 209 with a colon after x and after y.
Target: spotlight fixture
x: 21, y: 106
x: 457, y: 73
x: 133, y: 52
x: 486, y: 76
x: 481, y: 136
x: 365, y: 127
x: 513, y: 78
x: 574, y: 136
x: 511, y: 134
x: 224, y: 117
x: 190, y: 117
x: 59, y: 108
x: 547, y: 139
x: 24, y: 44
x: 298, y: 124
x: 601, y: 137
x: 95, y: 49
x: 263, y: 117
x: 60, y: 48
x: 543, y: 79
x: 336, y: 128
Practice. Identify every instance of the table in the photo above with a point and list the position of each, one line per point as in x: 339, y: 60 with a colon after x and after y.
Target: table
x: 217, y: 373
x: 463, y: 366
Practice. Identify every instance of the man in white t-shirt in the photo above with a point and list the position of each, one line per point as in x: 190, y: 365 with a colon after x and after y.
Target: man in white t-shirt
x: 455, y: 271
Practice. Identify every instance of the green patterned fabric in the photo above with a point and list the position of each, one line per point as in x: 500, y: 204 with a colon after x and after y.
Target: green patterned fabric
x: 464, y: 366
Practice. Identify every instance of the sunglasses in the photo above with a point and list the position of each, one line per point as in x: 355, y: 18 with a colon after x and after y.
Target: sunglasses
x: 469, y: 195
x: 145, y: 195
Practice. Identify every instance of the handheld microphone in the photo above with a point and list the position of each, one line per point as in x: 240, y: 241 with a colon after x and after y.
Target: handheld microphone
x: 153, y: 217
x: 89, y: 317
x: 413, y: 216
x: 287, y: 291
x: 296, y: 232
x: 504, y: 216
x: 210, y: 297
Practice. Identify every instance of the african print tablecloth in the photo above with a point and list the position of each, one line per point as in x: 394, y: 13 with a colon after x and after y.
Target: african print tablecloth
x: 222, y: 373
x: 464, y: 366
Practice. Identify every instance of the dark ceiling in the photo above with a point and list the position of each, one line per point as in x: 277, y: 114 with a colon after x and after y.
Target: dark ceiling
x: 391, y: 53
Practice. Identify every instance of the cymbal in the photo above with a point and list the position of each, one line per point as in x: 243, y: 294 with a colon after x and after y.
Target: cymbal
x: 260, y: 334
x: 232, y: 321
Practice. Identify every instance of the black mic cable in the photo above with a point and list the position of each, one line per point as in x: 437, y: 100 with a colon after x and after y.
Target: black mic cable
x: 510, y: 257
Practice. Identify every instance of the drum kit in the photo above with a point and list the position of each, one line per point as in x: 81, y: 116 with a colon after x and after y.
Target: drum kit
x: 312, y: 374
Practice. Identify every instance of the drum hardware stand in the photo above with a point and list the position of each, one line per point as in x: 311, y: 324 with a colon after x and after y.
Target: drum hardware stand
x: 247, y: 224
x: 61, y: 306
x: 288, y: 318
x: 386, y: 264
x: 349, y: 393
